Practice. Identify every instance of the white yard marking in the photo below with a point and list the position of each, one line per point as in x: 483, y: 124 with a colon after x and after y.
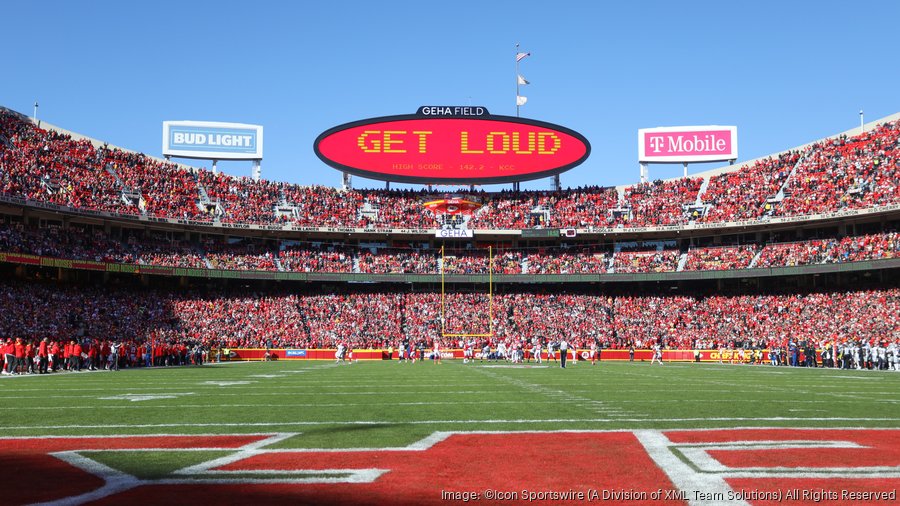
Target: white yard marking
x: 138, y: 397
x: 595, y: 406
x: 227, y: 383
x: 306, y: 405
x: 697, y: 454
x: 521, y: 421
x: 697, y: 471
x: 511, y: 366
x: 680, y: 473
x: 114, y: 481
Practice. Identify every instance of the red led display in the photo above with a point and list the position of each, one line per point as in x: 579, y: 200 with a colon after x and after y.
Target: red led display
x: 464, y: 150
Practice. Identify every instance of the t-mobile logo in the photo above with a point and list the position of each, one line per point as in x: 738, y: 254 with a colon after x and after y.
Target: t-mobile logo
x: 656, y: 143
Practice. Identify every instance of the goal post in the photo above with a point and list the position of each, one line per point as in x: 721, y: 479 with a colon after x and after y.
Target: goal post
x: 490, y: 332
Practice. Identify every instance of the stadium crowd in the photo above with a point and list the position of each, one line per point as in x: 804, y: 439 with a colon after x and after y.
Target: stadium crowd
x: 743, y: 194
x: 171, y: 323
x: 831, y: 175
x: 142, y: 247
x: 720, y: 258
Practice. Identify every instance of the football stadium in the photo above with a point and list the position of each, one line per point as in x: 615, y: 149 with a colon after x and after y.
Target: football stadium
x: 172, y: 334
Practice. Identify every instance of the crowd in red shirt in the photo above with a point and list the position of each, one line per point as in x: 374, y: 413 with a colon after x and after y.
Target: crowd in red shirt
x: 172, y: 326
x: 839, y: 173
x: 154, y: 248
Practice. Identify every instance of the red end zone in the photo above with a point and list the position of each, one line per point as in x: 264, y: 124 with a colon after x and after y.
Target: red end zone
x: 744, y: 466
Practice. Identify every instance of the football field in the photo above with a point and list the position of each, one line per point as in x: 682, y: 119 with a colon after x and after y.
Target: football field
x: 399, y: 433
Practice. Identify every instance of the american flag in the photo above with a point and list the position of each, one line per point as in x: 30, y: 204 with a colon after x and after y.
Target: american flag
x: 521, y: 56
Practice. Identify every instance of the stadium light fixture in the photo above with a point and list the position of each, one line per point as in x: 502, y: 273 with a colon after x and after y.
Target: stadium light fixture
x: 861, y: 121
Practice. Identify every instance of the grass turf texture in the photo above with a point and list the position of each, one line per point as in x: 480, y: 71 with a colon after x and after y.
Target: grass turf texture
x: 381, y: 404
x: 284, y: 408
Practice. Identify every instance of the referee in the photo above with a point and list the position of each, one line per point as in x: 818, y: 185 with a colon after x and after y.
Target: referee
x: 563, y: 352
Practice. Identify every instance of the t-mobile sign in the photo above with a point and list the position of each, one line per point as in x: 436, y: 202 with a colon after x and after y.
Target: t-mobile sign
x: 687, y: 144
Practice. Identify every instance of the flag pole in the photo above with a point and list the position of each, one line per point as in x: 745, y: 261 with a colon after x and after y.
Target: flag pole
x: 517, y: 80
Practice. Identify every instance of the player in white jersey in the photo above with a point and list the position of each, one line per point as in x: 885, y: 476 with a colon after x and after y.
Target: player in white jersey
x: 894, y: 350
x: 594, y: 352
x: 468, y: 349
x: 657, y: 355
x: 436, y: 356
x: 536, y: 350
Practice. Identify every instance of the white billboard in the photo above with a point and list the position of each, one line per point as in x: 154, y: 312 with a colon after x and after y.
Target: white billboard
x: 707, y: 143
x: 212, y: 140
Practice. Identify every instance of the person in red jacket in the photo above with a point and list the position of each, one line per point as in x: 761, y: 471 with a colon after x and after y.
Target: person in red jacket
x: 29, y: 357
x: 43, y: 356
x: 104, y: 355
x: 93, y: 353
x: 55, y: 356
x: 77, y: 350
x: 9, y: 356
x: 67, y: 355
x: 19, y: 364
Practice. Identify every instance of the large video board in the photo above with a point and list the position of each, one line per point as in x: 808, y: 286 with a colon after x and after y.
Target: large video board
x: 452, y: 144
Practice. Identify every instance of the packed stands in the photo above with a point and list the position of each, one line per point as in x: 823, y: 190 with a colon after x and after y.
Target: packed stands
x: 745, y: 194
x: 240, y: 199
x: 568, y: 261
x: 846, y: 173
x: 794, y: 253
x: 646, y: 261
x: 213, y: 318
x: 397, y: 261
x: 661, y: 203
x: 78, y: 242
x: 832, y: 175
x: 316, y: 258
x: 720, y: 258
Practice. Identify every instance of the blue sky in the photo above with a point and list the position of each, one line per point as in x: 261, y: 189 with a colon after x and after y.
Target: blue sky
x: 784, y: 72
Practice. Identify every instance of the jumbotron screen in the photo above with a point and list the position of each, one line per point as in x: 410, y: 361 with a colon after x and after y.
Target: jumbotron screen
x: 452, y: 144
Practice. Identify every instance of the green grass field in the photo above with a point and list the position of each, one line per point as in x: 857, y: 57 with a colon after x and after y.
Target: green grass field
x: 389, y: 404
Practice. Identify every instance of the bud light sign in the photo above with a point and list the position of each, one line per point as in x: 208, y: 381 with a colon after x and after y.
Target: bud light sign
x: 211, y: 140
x: 687, y: 144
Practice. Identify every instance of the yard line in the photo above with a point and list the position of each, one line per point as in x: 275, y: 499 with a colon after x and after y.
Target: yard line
x: 485, y: 421
x: 582, y: 402
x: 279, y: 405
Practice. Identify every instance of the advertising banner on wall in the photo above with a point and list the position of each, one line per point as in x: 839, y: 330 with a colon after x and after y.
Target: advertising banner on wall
x: 210, y: 140
x: 687, y: 144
